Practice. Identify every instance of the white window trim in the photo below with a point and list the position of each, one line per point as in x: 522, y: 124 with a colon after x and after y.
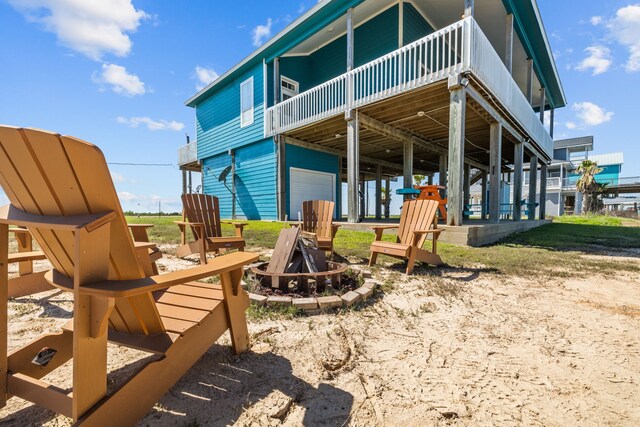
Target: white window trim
x: 290, y: 81
x: 248, y: 122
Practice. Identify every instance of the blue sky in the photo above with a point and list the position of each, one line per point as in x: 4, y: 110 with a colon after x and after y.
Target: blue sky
x: 117, y: 73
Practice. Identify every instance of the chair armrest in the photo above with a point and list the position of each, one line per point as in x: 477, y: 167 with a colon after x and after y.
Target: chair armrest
x: 384, y: 227
x: 195, y: 224
x: 17, y: 231
x: 434, y: 231
x: 334, y: 230
x: 130, y: 288
x: 239, y: 226
x: 139, y: 232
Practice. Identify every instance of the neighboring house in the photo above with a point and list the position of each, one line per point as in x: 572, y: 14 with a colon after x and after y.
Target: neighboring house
x: 562, y: 197
x: 356, y: 91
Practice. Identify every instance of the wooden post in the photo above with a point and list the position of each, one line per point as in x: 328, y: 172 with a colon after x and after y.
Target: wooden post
x: 468, y: 8
x: 407, y: 167
x: 543, y: 101
x: 543, y: 190
x: 363, y: 195
x: 400, y: 23
x: 508, y: 53
x: 442, y: 175
x: 457, y: 112
x: 483, y: 199
x: 466, y: 188
x: 551, y: 121
x: 378, y: 192
x: 281, y: 148
x: 339, y: 197
x: 387, y: 199
x: 530, y: 81
x: 353, y: 167
x: 533, y: 186
x: 518, y: 172
x: 349, y: 39
x: 4, y: 294
x: 495, y: 169
x: 184, y: 181
x: 430, y: 179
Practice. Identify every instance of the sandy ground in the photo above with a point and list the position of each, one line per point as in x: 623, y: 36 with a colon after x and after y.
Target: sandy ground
x: 460, y: 347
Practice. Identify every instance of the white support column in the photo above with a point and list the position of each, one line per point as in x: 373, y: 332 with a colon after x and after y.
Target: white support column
x: 508, y: 53
x: 530, y: 81
x: 483, y: 198
x: 533, y: 186
x: 281, y: 146
x: 495, y: 170
x: 387, y: 197
x: 466, y: 191
x: 468, y: 8
x: 353, y: 167
x: 350, y: 52
x: 276, y: 81
x: 543, y: 101
x: 518, y: 175
x: 543, y: 190
x: 407, y: 166
x: 400, y: 23
x: 457, y: 113
x: 378, y: 192
x: 442, y: 175
x: 339, y: 196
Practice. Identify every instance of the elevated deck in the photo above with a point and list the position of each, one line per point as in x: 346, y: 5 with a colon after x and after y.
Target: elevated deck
x: 473, y: 233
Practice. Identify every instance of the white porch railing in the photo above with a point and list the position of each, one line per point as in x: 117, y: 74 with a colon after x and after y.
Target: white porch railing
x: 460, y: 47
x: 188, y: 154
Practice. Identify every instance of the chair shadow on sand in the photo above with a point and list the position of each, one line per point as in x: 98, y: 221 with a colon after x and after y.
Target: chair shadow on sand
x: 220, y: 387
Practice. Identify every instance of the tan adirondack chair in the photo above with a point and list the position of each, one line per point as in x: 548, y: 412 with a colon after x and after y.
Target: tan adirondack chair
x: 418, y: 219
x: 317, y: 217
x: 202, y: 213
x: 60, y: 189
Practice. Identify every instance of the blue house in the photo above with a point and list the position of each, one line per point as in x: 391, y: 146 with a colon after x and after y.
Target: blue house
x: 357, y: 91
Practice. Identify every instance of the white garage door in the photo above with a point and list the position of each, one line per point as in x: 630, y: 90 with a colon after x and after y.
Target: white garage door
x: 306, y: 184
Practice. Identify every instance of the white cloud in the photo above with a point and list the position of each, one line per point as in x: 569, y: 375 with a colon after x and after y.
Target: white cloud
x: 599, y: 60
x: 205, y: 76
x: 625, y: 29
x: 571, y: 125
x: 596, y: 20
x: 151, y: 124
x: 121, y: 81
x: 261, y: 33
x: 591, y: 114
x: 91, y: 27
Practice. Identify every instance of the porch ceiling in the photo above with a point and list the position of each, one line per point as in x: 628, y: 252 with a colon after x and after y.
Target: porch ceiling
x: 402, y: 112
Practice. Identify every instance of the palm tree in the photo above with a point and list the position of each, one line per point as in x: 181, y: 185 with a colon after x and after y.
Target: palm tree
x: 588, y: 186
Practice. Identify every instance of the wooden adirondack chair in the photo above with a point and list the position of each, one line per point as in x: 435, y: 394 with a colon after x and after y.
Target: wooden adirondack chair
x: 418, y: 219
x: 317, y: 217
x: 60, y: 189
x: 203, y: 216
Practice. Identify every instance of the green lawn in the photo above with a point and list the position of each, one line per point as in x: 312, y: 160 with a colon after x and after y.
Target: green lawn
x: 547, y: 251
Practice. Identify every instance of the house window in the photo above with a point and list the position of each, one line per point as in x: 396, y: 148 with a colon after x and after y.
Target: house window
x: 290, y: 88
x: 246, y: 102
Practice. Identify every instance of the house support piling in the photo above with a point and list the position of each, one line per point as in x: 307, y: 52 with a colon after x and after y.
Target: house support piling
x: 543, y: 190
x: 518, y: 172
x: 533, y: 181
x: 353, y: 167
x: 495, y: 169
x: 457, y: 112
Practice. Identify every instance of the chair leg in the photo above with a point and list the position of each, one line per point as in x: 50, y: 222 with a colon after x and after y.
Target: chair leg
x: 411, y: 260
x: 373, y: 258
x: 236, y: 302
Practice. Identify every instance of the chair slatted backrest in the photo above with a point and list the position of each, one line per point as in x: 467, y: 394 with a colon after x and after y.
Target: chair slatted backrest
x: 44, y: 173
x: 205, y: 209
x: 416, y: 215
x: 317, y: 217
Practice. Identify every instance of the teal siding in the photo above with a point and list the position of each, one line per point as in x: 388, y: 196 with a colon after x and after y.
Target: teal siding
x: 303, y: 158
x: 415, y: 26
x: 255, y: 180
x: 218, y: 118
x: 373, y: 39
x: 609, y: 175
